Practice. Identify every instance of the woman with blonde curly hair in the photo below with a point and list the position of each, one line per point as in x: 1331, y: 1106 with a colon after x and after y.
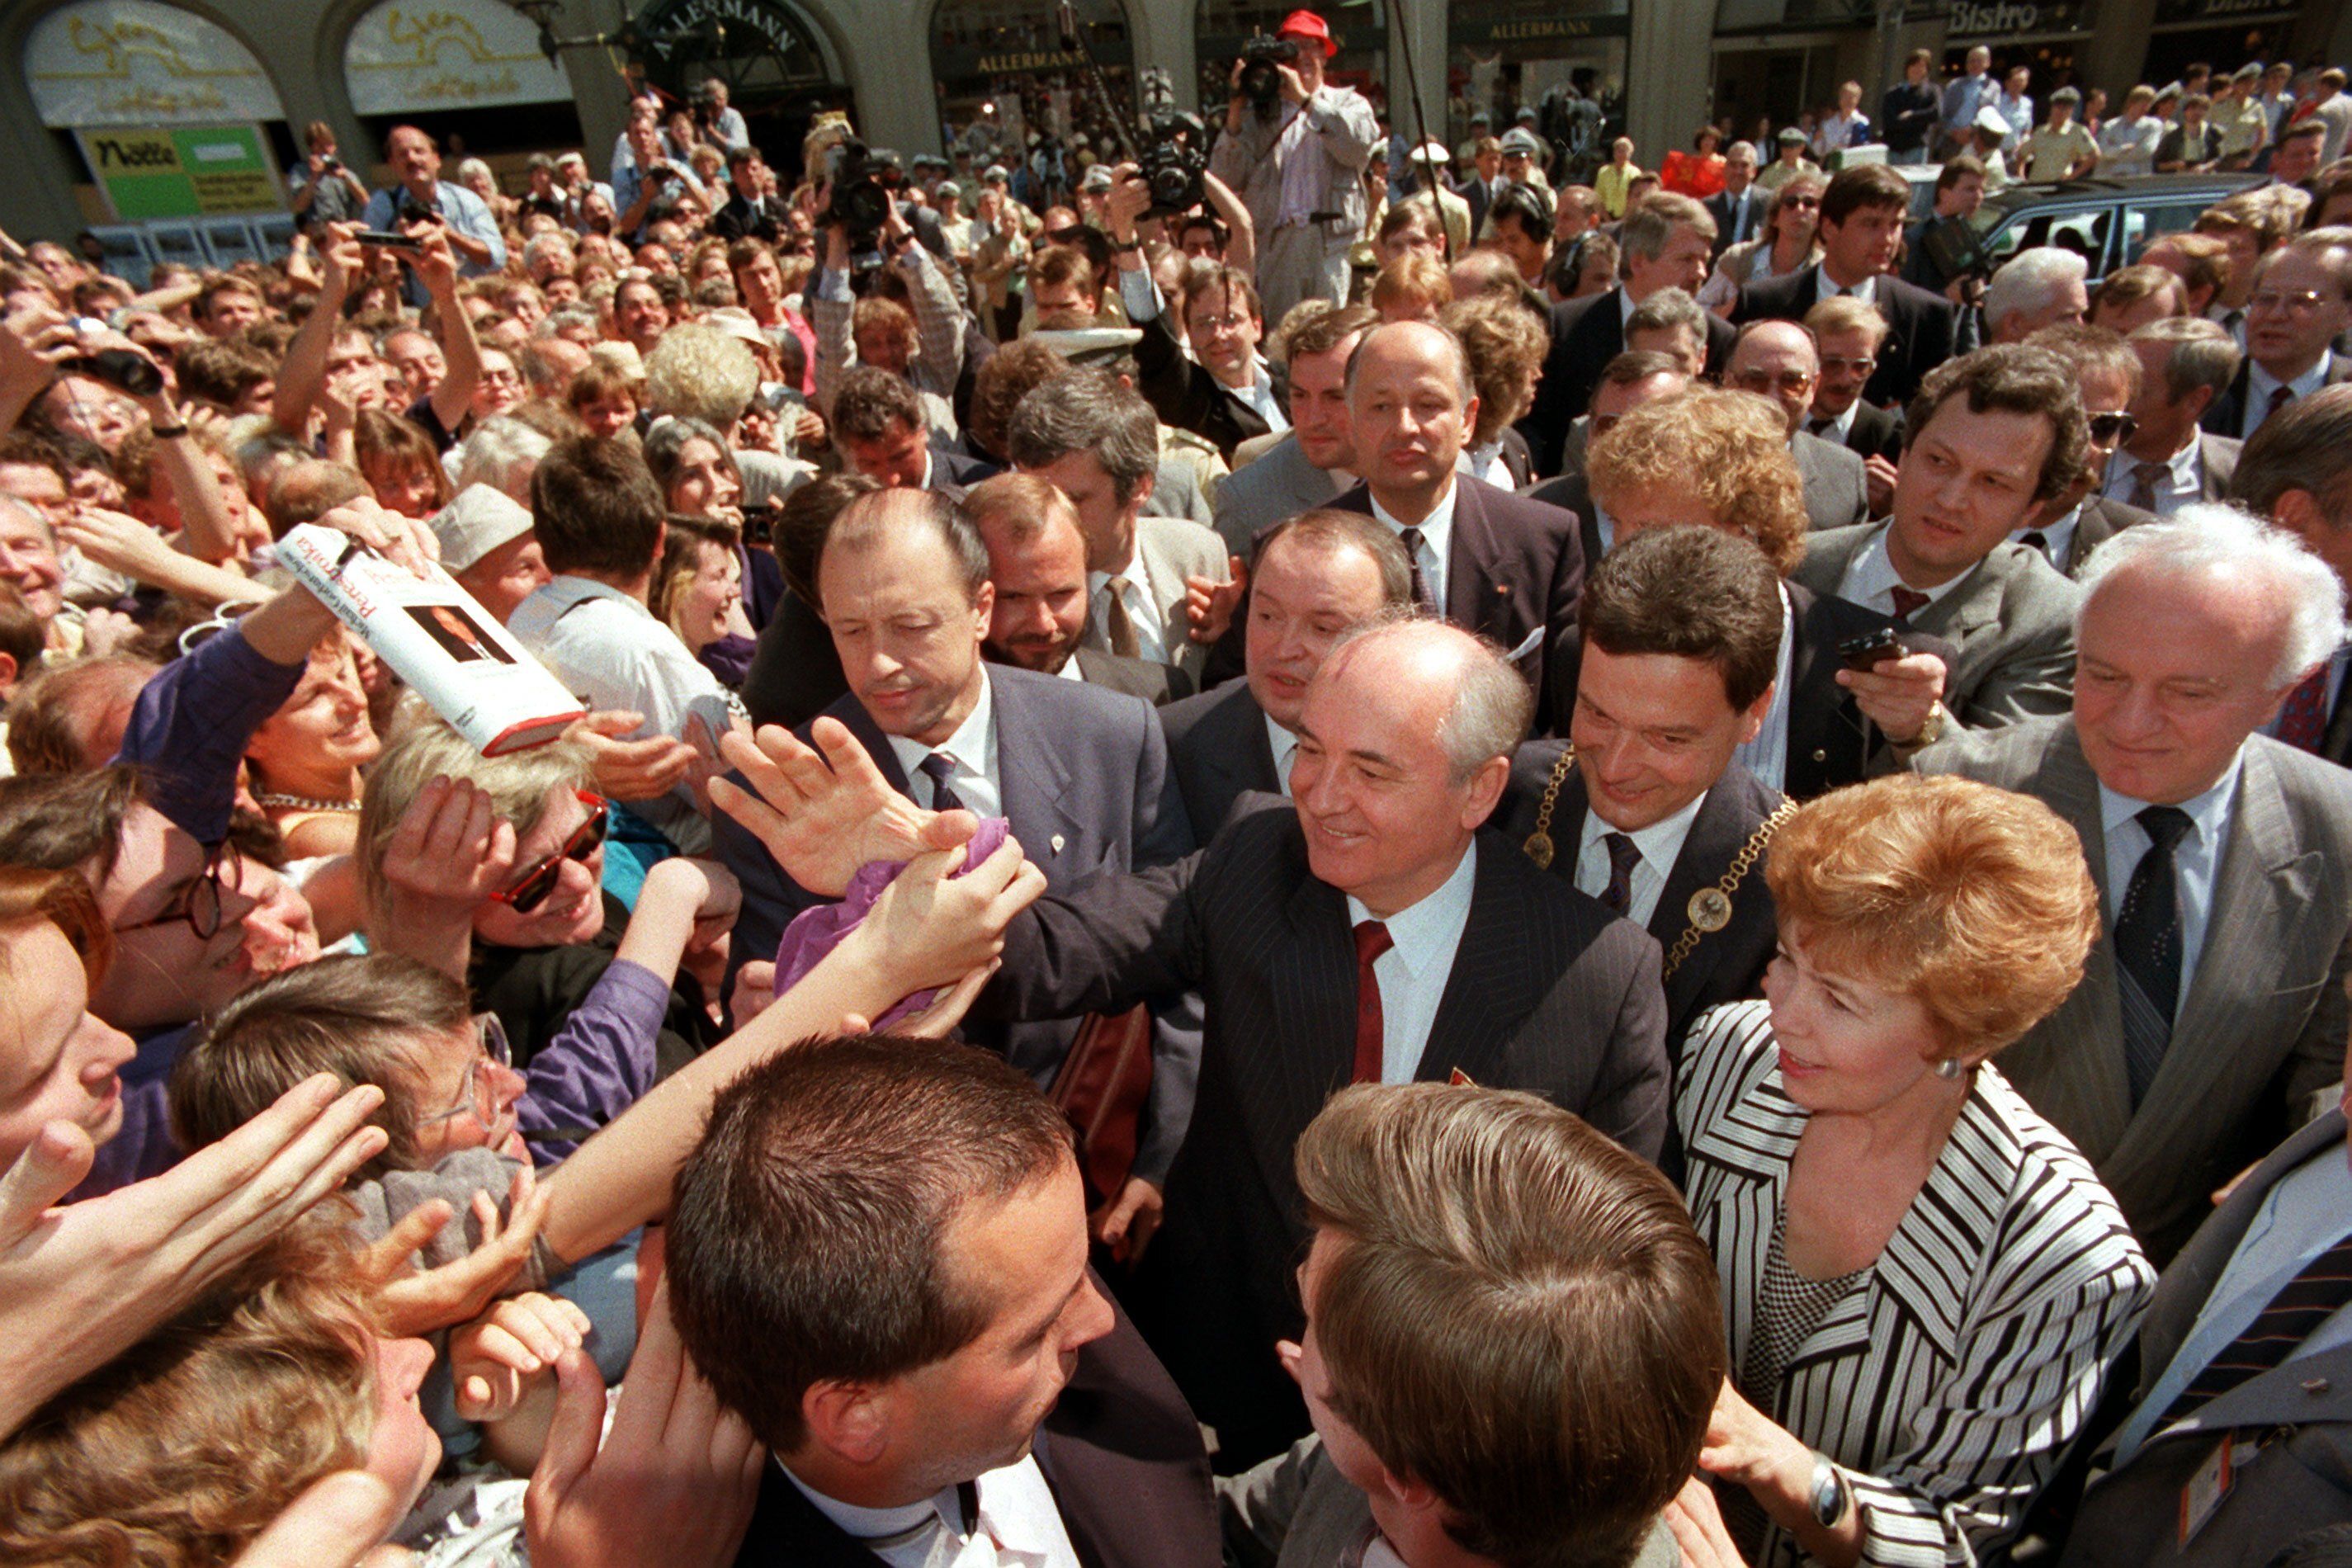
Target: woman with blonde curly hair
x: 1923, y: 1281
x: 1716, y: 459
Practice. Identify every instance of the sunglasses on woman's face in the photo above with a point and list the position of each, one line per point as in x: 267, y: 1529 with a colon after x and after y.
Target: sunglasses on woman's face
x: 531, y: 889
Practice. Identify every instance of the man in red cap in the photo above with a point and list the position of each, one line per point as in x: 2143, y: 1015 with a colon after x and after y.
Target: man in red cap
x: 1299, y: 168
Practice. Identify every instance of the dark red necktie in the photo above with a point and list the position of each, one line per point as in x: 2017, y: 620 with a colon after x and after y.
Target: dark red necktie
x: 1372, y: 940
x: 1907, y: 600
x: 2303, y: 722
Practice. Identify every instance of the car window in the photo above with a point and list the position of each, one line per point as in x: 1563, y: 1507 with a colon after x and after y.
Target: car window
x: 2143, y: 225
x: 2081, y: 230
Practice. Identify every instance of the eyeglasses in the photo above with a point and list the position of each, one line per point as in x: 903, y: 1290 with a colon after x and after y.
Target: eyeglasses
x: 480, y: 1095
x: 531, y: 890
x: 1207, y: 325
x: 2107, y: 429
x: 1800, y: 201
x: 1838, y: 365
x: 2299, y: 303
x: 205, y: 898
x: 1766, y: 381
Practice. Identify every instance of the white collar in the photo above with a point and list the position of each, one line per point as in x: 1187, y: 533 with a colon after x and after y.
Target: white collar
x: 2261, y: 384
x: 1661, y: 842
x: 1874, y: 571
x: 567, y: 590
x: 870, y: 1523
x: 1439, y: 524
x: 1827, y: 288
x: 972, y: 744
x: 2209, y: 811
x: 1423, y: 930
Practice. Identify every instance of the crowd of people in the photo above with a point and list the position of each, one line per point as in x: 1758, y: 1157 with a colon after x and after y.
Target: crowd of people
x: 1428, y: 873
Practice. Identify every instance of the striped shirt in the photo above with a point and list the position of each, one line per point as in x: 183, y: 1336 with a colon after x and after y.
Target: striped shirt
x: 1948, y: 1388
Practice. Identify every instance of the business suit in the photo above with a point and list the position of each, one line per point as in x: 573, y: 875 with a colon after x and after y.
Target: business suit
x: 1586, y: 334
x: 2297, y: 1480
x: 1297, y: 1511
x: 1513, y: 573
x: 1725, y: 965
x: 1156, y: 683
x: 2262, y: 1023
x: 1083, y: 773
x: 1170, y: 549
x: 1922, y: 327
x: 953, y: 472
x: 1184, y: 395
x: 796, y: 671
x: 2226, y: 413
x: 1947, y: 1385
x: 1836, y: 494
x: 2101, y: 520
x: 1219, y: 750
x: 1570, y: 493
x: 1548, y: 993
x: 1281, y: 483
x: 1477, y: 195
x: 1727, y: 209
x: 1830, y: 743
x: 2010, y: 620
x: 2217, y: 465
x: 1119, y: 1450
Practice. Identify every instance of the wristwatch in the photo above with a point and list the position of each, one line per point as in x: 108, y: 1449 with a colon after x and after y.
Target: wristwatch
x: 1830, y: 1496
x: 1931, y: 729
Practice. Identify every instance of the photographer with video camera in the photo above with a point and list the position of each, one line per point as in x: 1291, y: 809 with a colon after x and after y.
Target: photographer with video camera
x: 1294, y: 146
x: 859, y: 218
x: 649, y: 185
x: 419, y: 195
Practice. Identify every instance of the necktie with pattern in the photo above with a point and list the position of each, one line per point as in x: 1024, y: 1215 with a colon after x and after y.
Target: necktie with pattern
x: 1422, y: 597
x: 2144, y: 480
x: 2302, y: 721
x: 2149, y: 950
x: 1907, y: 601
x: 2316, y: 1294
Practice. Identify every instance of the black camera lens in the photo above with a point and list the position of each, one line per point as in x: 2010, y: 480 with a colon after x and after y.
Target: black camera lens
x: 123, y: 371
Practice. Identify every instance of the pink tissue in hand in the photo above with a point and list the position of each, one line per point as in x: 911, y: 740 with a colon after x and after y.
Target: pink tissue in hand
x: 817, y: 932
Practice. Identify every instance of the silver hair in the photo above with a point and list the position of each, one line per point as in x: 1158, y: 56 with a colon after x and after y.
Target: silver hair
x: 2201, y: 537
x: 1649, y: 228
x: 468, y: 167
x: 501, y: 453
x: 2030, y: 280
x: 1464, y: 387
x: 1493, y: 705
x: 578, y: 316
x: 1665, y: 309
x: 1736, y: 148
x: 698, y: 372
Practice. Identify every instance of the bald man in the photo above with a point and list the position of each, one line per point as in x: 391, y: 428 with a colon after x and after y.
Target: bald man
x: 1780, y: 362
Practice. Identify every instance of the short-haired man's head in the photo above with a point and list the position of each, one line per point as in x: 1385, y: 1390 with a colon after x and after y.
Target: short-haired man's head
x: 1089, y: 411
x: 1872, y: 185
x: 1014, y: 509
x: 2010, y: 378
x: 1011, y: 373
x: 2198, y: 353
x: 1844, y: 314
x: 1729, y: 450
x: 362, y: 1018
x: 1957, y: 169
x: 1493, y: 704
x: 1687, y: 592
x: 1321, y: 531
x: 1649, y: 227
x: 2092, y: 353
x: 1416, y: 337
x: 2306, y: 446
x: 1323, y: 331
x: 2030, y: 283
x: 1516, y: 1313
x: 852, y: 1157
x: 885, y: 515
x: 872, y: 403
x: 595, y: 509
x: 1974, y: 902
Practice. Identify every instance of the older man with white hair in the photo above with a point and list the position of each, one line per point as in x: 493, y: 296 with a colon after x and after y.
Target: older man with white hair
x: 2213, y: 1007
x: 2035, y: 288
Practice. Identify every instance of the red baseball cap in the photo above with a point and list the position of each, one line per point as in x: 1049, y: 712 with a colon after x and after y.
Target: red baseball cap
x: 1307, y: 24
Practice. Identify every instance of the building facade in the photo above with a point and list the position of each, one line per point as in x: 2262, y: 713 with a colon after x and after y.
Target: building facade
x: 131, y: 110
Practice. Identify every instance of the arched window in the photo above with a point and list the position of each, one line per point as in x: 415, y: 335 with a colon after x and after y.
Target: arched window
x: 138, y: 62
x: 1004, y: 75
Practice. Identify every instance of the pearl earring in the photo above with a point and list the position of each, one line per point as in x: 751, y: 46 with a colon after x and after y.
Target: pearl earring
x: 1951, y: 1068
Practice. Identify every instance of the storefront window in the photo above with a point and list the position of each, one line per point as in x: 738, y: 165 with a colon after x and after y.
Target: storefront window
x: 1010, y: 86
x: 1221, y: 28
x: 768, y: 54
x: 1564, y: 62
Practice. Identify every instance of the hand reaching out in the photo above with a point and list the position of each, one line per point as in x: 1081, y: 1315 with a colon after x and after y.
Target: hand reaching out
x: 823, y: 814
x: 1209, y: 606
x: 417, y: 1301
x: 450, y: 848
x: 644, y: 769
x: 493, y: 1358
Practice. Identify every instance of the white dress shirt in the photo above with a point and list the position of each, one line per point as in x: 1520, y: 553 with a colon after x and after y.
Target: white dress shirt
x: 1766, y: 756
x: 2058, y: 538
x: 1826, y: 288
x: 1412, y: 972
x: 1661, y: 845
x: 1142, y: 607
x: 1436, y: 533
x: 1871, y: 580
x: 974, y: 775
x: 2261, y: 384
x: 1284, y: 745
x: 2306, y: 1212
x: 1605, y: 527
x: 1261, y: 396
x: 1838, y: 429
x: 1020, y: 1526
x: 2182, y: 481
x: 2196, y: 859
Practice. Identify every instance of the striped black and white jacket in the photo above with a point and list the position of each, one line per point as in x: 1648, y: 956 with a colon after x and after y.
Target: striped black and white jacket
x: 1949, y: 1388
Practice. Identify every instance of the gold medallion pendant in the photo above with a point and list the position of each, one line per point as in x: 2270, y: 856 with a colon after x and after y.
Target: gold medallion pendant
x: 1709, y: 910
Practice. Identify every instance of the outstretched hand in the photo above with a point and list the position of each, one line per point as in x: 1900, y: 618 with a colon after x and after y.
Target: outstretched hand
x: 825, y: 811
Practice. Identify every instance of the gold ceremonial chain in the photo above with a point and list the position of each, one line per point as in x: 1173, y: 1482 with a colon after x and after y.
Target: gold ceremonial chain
x: 1539, y: 846
x: 1710, y: 908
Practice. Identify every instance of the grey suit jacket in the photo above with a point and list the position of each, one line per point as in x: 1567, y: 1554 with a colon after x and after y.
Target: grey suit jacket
x: 1297, y: 1511
x: 1172, y: 549
x: 1280, y: 483
x: 2101, y: 520
x: 2219, y: 462
x: 1155, y: 683
x: 2012, y: 619
x: 1835, y: 494
x: 2262, y: 1025
x: 2299, y: 1480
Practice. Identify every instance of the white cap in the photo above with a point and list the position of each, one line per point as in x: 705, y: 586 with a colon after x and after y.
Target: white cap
x: 477, y: 521
x: 738, y: 323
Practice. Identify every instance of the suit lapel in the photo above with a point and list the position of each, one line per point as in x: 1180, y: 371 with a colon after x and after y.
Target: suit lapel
x: 1488, y: 994
x: 2088, y: 1049
x: 1716, y: 834
x: 1308, y: 1048
x: 1476, y: 595
x: 1033, y: 776
x: 1968, y: 610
